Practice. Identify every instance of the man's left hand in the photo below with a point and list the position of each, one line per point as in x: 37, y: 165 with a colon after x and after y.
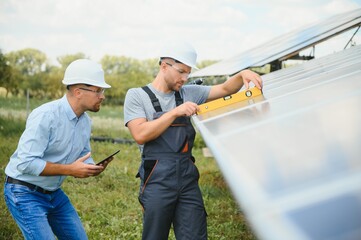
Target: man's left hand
x: 250, y: 76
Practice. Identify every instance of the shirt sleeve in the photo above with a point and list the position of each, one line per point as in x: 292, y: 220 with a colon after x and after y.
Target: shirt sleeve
x: 133, y: 107
x: 33, y: 143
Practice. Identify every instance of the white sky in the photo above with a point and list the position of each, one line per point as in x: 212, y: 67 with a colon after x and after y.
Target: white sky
x: 218, y: 29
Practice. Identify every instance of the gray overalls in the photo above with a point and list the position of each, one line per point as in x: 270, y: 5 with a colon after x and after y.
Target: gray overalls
x: 169, y: 191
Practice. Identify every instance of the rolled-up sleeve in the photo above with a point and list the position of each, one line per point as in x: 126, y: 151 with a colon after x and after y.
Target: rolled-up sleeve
x: 33, y: 143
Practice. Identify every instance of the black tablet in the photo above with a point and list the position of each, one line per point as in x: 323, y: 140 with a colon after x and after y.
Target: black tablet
x: 107, y: 158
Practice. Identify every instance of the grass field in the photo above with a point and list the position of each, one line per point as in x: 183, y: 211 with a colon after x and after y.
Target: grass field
x: 108, y: 204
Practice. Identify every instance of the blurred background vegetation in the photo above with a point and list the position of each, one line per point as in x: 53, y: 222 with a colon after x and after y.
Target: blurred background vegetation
x: 29, y: 71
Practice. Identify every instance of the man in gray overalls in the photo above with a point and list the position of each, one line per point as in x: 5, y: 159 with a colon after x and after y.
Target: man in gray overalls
x: 158, y: 117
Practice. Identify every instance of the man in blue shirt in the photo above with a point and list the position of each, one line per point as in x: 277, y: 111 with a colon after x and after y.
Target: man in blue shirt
x: 55, y: 144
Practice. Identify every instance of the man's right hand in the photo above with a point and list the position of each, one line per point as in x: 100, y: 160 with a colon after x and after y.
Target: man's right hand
x: 80, y: 169
x: 186, y: 109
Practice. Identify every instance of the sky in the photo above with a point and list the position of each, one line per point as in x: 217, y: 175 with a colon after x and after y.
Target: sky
x: 218, y: 29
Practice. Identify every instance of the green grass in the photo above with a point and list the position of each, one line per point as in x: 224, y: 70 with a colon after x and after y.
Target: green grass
x: 108, y: 204
x: 19, y: 103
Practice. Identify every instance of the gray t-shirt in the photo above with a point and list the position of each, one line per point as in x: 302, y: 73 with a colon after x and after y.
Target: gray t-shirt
x: 138, y: 104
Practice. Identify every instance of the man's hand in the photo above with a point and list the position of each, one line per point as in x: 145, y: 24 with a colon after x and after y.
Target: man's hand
x: 234, y: 84
x: 106, y: 162
x: 250, y: 76
x: 80, y: 169
x: 76, y: 169
x: 186, y: 109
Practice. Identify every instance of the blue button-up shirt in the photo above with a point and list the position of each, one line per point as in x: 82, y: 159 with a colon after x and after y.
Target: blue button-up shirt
x: 53, y: 134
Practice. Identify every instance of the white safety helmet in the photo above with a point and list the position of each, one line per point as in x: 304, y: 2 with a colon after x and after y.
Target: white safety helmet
x: 182, y: 52
x: 85, y: 71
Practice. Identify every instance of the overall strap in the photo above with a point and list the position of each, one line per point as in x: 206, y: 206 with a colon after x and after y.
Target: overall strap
x: 178, y: 99
x: 153, y: 98
x: 155, y: 101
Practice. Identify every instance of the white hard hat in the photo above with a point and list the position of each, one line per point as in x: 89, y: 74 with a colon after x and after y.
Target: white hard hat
x: 85, y: 71
x: 182, y: 52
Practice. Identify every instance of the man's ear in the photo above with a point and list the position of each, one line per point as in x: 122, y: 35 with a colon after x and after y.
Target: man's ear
x: 163, y: 65
x: 75, y: 91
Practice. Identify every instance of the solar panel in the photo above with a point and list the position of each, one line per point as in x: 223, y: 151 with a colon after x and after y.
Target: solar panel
x: 284, y: 46
x: 292, y: 157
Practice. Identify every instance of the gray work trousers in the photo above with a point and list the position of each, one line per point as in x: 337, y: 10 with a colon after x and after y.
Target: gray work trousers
x: 169, y: 193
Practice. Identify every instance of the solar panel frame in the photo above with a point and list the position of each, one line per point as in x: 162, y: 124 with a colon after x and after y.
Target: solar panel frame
x: 284, y: 46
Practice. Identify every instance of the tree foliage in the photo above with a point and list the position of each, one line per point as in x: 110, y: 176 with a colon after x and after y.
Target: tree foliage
x: 28, y: 66
x: 5, y: 74
x: 124, y: 73
x: 28, y: 61
x: 30, y: 69
x: 67, y: 59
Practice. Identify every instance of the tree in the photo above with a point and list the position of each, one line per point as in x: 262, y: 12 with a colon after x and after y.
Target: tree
x: 52, y: 82
x: 65, y: 60
x: 5, y: 74
x: 123, y: 73
x: 29, y: 66
x: 28, y: 61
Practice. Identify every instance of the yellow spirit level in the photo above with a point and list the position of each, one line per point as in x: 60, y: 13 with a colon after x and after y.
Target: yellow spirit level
x: 225, y: 101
